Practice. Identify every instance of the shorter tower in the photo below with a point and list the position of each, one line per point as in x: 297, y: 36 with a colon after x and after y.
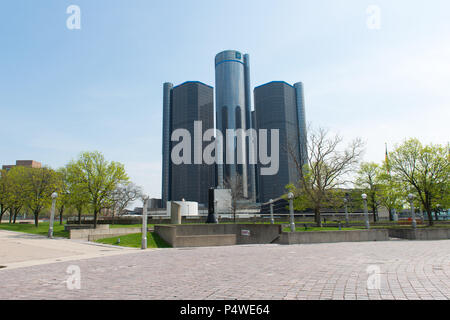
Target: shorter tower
x: 183, y: 105
x: 279, y: 105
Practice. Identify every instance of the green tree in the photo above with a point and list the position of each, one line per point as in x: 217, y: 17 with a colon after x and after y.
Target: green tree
x: 425, y: 168
x: 17, y: 192
x: 3, y: 193
x: 391, y: 193
x: 367, y: 180
x: 96, y: 178
x: 328, y: 167
x: 63, y: 200
x: 41, y: 183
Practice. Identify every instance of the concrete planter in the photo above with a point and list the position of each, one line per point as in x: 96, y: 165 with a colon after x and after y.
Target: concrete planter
x: 333, y: 236
x: 202, y: 235
x: 101, y: 232
x: 421, y: 234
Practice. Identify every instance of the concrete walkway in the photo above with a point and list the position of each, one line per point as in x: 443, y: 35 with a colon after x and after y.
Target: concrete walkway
x: 19, y: 249
x: 348, y: 270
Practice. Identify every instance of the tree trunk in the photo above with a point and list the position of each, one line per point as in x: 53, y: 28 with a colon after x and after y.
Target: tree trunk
x: 10, y: 216
x: 95, y: 219
x: 61, y: 211
x: 430, y: 217
x: 318, y: 218
x: 16, y: 211
x: 114, y: 215
x: 436, y: 215
x: 391, y: 218
x: 79, y: 215
x: 374, y: 208
x: 2, y: 211
x: 36, y: 219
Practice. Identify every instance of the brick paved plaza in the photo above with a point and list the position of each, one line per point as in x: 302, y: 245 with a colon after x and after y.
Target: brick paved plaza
x: 409, y: 270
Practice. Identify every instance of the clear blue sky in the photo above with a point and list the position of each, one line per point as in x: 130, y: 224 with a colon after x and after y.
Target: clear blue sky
x: 100, y: 88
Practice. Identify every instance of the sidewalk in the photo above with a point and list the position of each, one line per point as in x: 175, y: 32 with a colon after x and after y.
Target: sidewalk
x: 19, y: 249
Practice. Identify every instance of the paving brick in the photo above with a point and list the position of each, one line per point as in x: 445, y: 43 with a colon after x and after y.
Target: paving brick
x: 409, y: 270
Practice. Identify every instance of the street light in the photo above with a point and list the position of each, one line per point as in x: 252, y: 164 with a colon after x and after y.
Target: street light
x: 291, y: 210
x: 366, y: 214
x: 346, y: 212
x: 413, y: 213
x: 271, y: 211
x: 144, y: 223
x: 52, y: 215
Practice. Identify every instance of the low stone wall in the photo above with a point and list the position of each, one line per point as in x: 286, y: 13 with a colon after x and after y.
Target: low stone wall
x: 242, y: 233
x: 101, y: 232
x: 333, y: 236
x: 421, y: 234
x: 69, y: 227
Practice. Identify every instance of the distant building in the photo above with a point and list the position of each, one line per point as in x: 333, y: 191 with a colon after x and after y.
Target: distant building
x: 23, y: 163
x: 182, y: 105
x: 278, y: 105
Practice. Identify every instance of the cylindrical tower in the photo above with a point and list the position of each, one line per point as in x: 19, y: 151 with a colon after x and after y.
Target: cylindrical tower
x: 167, y: 107
x: 231, y: 113
x: 301, y: 118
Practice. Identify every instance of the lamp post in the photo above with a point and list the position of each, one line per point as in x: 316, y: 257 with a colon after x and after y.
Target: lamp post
x: 52, y: 215
x: 144, y: 223
x: 346, y: 212
x: 291, y: 210
x: 271, y: 211
x: 413, y: 213
x: 366, y: 214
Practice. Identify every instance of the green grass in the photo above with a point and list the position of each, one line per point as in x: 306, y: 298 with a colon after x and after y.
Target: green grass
x: 42, y: 229
x: 134, y: 241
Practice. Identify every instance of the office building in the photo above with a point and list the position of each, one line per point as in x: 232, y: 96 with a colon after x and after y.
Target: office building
x: 278, y: 105
x: 182, y: 106
x: 233, y: 111
x: 23, y: 163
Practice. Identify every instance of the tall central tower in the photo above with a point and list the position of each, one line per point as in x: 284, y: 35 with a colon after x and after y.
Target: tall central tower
x: 233, y: 111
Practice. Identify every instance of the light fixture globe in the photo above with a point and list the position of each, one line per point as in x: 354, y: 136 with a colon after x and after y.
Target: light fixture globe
x: 364, y: 196
x: 345, y: 200
x: 290, y: 196
x: 54, y: 195
x: 410, y: 196
x: 271, y: 201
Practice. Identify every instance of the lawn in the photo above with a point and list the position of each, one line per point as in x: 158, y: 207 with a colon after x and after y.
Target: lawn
x: 42, y: 229
x: 58, y: 229
x: 134, y: 241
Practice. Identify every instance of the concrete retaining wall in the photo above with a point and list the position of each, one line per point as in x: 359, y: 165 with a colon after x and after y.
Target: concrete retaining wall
x: 241, y: 233
x: 101, y: 233
x: 421, y: 234
x: 333, y: 236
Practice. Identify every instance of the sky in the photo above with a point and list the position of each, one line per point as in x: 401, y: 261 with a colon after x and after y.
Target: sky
x: 64, y: 91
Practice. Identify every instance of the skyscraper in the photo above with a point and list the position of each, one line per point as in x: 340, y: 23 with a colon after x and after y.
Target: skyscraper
x: 233, y: 111
x: 278, y: 105
x: 183, y: 105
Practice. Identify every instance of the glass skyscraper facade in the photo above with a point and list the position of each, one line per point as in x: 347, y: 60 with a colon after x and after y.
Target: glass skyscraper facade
x: 278, y: 105
x: 233, y: 111
x: 184, y: 104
